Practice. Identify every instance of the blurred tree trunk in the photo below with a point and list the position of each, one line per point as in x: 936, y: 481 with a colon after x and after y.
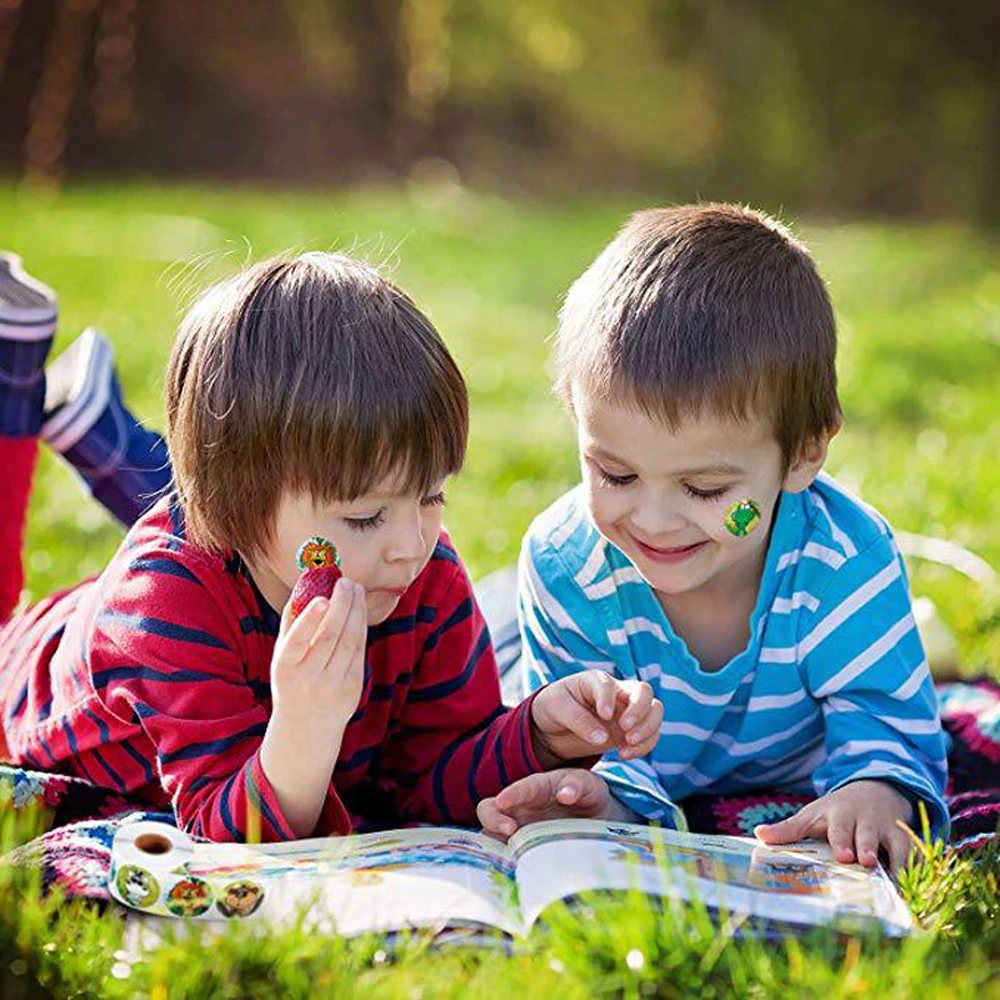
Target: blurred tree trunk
x: 374, y: 30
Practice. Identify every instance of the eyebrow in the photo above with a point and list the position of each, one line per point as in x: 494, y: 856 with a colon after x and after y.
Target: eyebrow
x: 713, y: 468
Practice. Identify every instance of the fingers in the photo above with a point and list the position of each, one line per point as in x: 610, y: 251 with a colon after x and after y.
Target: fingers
x: 796, y: 827
x: 641, y: 740
x: 533, y: 792
x: 840, y: 834
x: 569, y: 714
x: 866, y: 842
x: 296, y: 635
x: 581, y: 790
x: 603, y: 691
x: 330, y: 629
x: 493, y: 821
x: 357, y: 623
x: 638, y: 698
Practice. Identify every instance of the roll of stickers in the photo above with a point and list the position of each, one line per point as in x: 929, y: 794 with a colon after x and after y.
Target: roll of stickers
x: 152, y: 869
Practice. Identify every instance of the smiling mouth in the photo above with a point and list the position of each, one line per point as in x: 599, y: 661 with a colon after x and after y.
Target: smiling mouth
x: 675, y: 554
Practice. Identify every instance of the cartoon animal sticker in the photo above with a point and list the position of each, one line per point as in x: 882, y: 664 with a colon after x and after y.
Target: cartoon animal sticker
x: 240, y: 899
x: 137, y: 886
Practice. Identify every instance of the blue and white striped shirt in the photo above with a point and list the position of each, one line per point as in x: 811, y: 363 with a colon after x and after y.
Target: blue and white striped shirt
x: 833, y: 686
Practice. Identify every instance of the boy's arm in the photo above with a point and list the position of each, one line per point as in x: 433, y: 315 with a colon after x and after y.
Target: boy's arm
x: 560, y: 632
x: 455, y: 742
x: 863, y: 661
x: 160, y: 655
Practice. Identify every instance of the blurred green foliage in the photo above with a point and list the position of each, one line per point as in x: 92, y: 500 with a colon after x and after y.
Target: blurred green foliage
x: 918, y: 307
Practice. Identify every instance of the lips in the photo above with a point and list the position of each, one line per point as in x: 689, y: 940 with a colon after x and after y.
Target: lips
x: 672, y: 555
x: 391, y: 591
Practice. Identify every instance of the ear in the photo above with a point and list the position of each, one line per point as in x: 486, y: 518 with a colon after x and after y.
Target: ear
x: 805, y: 468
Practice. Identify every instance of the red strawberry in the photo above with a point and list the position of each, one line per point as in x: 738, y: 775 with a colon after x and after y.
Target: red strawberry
x: 320, y: 565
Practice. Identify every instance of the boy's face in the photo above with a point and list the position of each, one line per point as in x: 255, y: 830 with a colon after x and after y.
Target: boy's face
x: 384, y: 539
x: 661, y: 495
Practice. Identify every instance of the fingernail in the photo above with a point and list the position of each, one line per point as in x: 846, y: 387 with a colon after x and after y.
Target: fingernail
x: 598, y: 736
x: 627, y: 720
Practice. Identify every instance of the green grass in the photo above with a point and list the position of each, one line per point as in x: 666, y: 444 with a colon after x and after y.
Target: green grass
x: 919, y: 311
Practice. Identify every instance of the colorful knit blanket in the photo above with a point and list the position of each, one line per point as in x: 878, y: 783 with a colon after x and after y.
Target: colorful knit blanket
x: 75, y: 853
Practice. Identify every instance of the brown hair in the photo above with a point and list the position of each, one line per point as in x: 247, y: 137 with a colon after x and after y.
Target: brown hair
x: 699, y: 307
x: 316, y: 375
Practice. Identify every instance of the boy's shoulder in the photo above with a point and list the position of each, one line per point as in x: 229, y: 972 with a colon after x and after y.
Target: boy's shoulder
x: 841, y: 521
x: 563, y: 539
x: 842, y: 542
x: 158, y: 575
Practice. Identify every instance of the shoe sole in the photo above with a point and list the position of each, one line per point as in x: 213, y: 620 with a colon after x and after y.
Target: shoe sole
x: 92, y: 356
x: 28, y: 309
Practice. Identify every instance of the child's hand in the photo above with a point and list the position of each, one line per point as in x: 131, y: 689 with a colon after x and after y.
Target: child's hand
x: 591, y: 712
x: 555, y: 794
x: 318, y: 667
x: 856, y: 819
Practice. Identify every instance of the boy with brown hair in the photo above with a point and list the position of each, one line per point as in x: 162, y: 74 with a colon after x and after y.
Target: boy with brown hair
x: 304, y: 397
x: 707, y: 553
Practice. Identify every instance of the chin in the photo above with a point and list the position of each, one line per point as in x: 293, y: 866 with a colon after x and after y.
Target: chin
x: 380, y: 610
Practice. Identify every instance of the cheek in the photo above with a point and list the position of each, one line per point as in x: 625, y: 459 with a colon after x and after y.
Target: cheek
x: 431, y: 519
x: 606, y: 506
x: 358, y: 554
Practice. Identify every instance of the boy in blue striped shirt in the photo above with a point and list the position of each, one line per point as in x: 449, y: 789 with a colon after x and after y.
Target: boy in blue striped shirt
x: 706, y: 553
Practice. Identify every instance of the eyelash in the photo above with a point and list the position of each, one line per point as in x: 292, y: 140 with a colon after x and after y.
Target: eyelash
x: 366, y: 523
x: 609, y: 480
x: 705, y: 494
x: 378, y: 519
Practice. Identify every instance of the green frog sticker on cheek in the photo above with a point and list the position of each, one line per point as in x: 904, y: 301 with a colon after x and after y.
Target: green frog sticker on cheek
x: 742, y: 517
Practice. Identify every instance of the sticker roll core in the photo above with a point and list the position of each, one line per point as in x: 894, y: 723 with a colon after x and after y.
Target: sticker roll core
x: 147, y: 858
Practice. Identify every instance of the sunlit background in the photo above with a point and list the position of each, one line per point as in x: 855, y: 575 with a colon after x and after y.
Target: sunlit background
x: 484, y: 151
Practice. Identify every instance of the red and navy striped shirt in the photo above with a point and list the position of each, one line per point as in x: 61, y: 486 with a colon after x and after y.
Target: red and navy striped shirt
x: 155, y: 677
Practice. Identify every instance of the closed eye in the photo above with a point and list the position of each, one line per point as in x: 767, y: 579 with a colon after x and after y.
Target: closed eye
x: 610, y: 480
x: 706, y: 494
x: 366, y: 523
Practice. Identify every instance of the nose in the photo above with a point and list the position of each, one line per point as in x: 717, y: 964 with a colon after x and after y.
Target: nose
x: 655, y: 516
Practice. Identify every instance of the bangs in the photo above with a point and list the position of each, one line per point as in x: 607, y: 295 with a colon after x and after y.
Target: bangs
x: 410, y: 440
x: 315, y: 375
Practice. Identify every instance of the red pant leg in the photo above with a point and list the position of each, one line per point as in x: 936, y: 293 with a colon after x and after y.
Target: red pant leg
x: 17, y: 466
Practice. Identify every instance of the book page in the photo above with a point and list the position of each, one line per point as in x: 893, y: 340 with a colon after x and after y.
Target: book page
x: 799, y: 883
x: 394, y: 880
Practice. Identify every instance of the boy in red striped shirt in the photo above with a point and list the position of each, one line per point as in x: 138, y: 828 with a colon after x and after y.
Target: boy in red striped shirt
x: 304, y: 397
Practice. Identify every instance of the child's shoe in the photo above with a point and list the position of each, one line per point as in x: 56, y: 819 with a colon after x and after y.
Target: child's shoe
x: 124, y: 465
x: 29, y: 311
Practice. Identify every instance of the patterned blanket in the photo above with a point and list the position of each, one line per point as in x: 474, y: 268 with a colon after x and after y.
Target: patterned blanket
x: 75, y: 853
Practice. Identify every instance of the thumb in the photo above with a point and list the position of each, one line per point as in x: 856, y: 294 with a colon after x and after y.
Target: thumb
x: 565, y: 712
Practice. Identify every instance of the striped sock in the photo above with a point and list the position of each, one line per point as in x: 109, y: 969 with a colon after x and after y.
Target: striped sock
x: 28, y: 315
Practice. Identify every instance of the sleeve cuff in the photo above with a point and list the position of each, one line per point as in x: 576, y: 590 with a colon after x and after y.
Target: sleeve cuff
x: 652, y: 805
x: 266, y: 822
x: 525, y: 762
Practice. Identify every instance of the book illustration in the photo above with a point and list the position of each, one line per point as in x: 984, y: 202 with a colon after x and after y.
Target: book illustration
x: 442, y: 878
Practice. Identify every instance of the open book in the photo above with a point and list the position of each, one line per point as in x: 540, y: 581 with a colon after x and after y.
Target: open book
x: 438, y: 878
